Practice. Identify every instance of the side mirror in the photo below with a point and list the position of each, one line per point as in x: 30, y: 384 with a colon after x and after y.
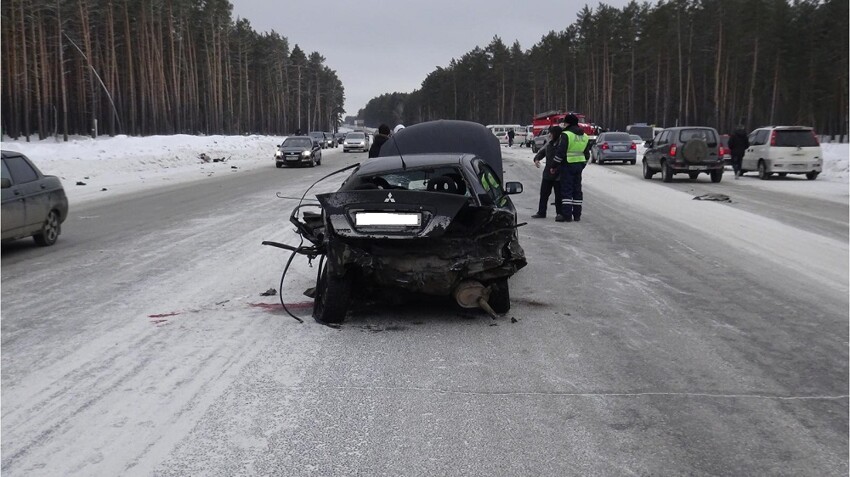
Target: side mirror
x: 513, y: 188
x: 649, y: 143
x: 5, y: 183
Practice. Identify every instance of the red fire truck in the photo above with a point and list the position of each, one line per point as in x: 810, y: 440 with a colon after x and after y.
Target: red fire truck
x: 553, y: 118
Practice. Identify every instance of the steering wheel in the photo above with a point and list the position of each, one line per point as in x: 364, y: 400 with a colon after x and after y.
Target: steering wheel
x: 443, y: 184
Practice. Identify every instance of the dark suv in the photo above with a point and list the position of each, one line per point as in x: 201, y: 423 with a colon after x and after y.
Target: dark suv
x: 689, y: 150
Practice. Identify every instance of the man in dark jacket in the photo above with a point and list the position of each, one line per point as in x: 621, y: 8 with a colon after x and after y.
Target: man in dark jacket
x: 738, y: 144
x: 550, y: 180
x: 380, y: 139
x: 571, y: 154
x: 511, y: 135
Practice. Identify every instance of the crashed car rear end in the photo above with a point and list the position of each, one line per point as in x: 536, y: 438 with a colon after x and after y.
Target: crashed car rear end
x: 436, y: 223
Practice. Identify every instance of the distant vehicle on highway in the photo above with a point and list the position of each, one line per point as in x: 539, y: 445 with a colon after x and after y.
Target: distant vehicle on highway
x: 614, y: 146
x: 299, y: 151
x: 356, y: 141
x: 783, y: 150
x: 691, y: 150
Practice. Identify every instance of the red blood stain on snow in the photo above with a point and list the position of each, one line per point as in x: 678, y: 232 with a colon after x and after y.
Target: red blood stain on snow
x: 163, y: 315
x: 277, y: 306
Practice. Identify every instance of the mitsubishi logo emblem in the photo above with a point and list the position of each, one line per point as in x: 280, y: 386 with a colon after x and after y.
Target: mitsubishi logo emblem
x: 389, y: 198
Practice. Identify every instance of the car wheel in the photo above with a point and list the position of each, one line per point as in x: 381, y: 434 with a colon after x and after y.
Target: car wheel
x: 693, y: 175
x: 278, y: 165
x: 763, y: 174
x: 600, y: 161
x: 812, y: 175
x: 332, y: 297
x: 783, y: 174
x: 647, y: 172
x: 50, y: 230
x: 534, y: 149
x: 666, y: 172
x: 500, y: 296
x: 716, y: 175
x: 633, y: 162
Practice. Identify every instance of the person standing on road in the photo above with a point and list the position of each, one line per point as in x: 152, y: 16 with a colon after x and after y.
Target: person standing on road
x: 511, y: 135
x: 380, y: 138
x: 738, y: 144
x: 550, y: 181
x: 571, y: 154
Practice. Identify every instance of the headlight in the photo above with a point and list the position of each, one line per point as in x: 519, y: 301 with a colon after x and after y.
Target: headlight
x: 278, y: 153
x: 305, y: 153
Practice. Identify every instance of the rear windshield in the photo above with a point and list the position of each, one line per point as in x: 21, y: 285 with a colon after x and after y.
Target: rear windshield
x: 623, y: 137
x: 706, y: 135
x: 297, y: 142
x: 796, y: 138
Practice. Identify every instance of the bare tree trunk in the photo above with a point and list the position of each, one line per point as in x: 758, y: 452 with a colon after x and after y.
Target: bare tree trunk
x: 751, y: 101
x: 62, y: 72
x: 26, y: 82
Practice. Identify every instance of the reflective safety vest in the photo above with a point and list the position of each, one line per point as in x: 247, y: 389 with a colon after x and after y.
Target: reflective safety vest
x: 489, y: 182
x: 575, y: 146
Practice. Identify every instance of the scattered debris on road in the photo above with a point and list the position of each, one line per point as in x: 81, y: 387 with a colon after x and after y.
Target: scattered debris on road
x: 269, y: 292
x: 714, y: 197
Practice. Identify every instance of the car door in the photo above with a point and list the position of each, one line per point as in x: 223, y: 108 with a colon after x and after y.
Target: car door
x: 758, y: 142
x: 653, y: 154
x: 13, y: 213
x: 30, y: 189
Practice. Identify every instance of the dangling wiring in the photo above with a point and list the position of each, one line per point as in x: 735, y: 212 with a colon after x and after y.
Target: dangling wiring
x: 311, y: 251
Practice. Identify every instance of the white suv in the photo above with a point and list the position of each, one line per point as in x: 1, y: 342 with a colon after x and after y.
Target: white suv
x: 783, y: 150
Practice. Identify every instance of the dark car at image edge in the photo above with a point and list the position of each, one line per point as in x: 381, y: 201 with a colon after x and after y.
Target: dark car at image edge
x: 33, y: 204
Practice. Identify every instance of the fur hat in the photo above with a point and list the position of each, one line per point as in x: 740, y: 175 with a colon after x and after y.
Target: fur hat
x: 571, y: 120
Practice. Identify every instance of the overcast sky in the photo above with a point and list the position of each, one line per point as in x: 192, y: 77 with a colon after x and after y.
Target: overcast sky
x: 385, y: 46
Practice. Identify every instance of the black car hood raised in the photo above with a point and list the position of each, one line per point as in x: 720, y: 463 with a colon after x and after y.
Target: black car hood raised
x: 446, y: 136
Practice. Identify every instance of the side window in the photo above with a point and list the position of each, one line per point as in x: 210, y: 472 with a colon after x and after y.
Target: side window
x: 490, y: 182
x: 662, y: 138
x: 6, y: 174
x: 761, y: 137
x: 20, y: 169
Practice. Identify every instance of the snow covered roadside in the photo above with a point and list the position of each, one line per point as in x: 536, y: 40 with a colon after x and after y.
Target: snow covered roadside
x: 125, y: 164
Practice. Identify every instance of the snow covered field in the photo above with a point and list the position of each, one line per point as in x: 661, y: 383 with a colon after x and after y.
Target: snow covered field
x: 125, y: 164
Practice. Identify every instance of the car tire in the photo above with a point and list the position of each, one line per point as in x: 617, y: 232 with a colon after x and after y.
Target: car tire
x: 332, y: 297
x: 500, y: 296
x: 763, y: 174
x: 647, y: 171
x: 600, y: 161
x: 812, y: 175
x: 633, y: 161
x: 278, y: 165
x: 783, y: 174
x: 716, y: 175
x: 534, y: 149
x: 50, y: 230
x: 666, y: 172
x: 694, y: 175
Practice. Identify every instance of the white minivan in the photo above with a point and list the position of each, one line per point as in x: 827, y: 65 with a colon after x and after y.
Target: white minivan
x: 783, y: 150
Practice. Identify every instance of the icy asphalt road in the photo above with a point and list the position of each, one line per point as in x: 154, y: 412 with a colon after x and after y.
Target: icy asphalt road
x: 651, y: 338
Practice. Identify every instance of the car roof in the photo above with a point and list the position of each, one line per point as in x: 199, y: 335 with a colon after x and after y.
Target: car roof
x: 413, y: 161
x: 6, y: 153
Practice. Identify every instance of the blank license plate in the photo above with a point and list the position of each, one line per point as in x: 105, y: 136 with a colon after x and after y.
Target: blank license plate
x: 620, y: 148
x: 695, y: 168
x: 387, y: 218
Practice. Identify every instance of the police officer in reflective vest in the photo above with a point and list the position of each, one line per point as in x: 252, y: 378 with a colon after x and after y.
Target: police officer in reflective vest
x: 571, y: 154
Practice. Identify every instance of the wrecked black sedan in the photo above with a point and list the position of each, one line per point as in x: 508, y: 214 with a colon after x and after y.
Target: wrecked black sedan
x: 430, y: 215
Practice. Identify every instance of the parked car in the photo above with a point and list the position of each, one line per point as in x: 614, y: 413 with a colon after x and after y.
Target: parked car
x: 691, y: 150
x: 783, y: 150
x: 539, y: 142
x: 355, y: 141
x: 433, y: 218
x: 613, y: 146
x: 33, y: 204
x: 299, y: 151
x: 529, y: 136
x: 320, y: 137
x: 725, y: 152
